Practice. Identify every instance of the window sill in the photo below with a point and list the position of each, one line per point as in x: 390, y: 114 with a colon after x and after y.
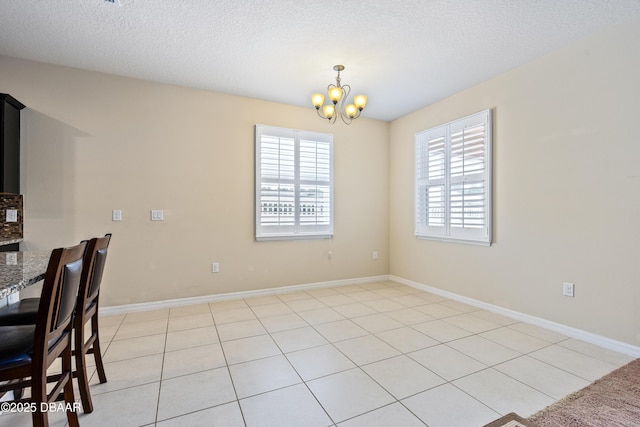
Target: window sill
x: 455, y: 240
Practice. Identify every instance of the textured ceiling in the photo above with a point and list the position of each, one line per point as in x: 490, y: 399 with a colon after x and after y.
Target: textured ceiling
x: 402, y: 54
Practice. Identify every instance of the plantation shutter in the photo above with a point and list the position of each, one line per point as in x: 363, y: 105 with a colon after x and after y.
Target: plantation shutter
x: 453, y: 180
x: 294, y: 184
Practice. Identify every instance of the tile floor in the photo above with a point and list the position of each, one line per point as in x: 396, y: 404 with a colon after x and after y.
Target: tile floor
x: 375, y: 354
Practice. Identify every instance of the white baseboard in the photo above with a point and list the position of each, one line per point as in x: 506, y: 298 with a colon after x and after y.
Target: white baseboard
x: 146, y: 306
x: 569, y: 331
x: 580, y: 334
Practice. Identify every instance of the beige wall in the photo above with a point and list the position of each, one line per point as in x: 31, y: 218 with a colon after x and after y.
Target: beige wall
x: 94, y: 142
x: 566, y: 190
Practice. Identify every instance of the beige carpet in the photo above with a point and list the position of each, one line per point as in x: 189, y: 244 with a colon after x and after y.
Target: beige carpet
x: 611, y: 401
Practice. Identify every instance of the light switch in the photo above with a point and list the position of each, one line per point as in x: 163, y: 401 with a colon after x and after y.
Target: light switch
x: 157, y: 215
x: 116, y: 215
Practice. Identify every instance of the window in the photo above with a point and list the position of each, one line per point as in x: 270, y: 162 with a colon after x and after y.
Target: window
x: 453, y: 181
x: 294, y: 184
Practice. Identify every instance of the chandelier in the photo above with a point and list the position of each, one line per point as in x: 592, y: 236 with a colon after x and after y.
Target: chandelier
x: 338, y: 95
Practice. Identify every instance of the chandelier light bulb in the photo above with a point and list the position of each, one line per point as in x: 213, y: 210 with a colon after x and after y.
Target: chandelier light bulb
x: 351, y: 110
x: 329, y: 110
x: 317, y: 99
x: 360, y: 101
x: 335, y: 93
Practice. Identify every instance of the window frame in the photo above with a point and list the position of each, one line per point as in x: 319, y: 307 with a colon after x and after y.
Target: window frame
x: 298, y: 229
x: 435, y: 173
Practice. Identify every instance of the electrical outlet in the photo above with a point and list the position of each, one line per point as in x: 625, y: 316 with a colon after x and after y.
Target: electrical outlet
x: 568, y: 289
x: 375, y: 255
x: 116, y: 215
x: 157, y: 215
x: 215, y: 267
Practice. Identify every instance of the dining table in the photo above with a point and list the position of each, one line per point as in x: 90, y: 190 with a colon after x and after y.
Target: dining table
x: 21, y: 269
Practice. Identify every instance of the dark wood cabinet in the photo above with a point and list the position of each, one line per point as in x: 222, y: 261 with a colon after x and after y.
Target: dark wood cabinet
x: 10, y: 143
x: 10, y: 162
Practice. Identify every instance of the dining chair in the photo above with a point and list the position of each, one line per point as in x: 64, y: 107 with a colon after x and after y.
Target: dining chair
x: 27, y: 351
x: 87, y: 310
x: 24, y: 312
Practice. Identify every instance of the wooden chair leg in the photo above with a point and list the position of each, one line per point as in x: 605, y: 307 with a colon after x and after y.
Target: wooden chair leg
x: 97, y: 352
x: 39, y: 396
x: 72, y: 414
x: 81, y: 371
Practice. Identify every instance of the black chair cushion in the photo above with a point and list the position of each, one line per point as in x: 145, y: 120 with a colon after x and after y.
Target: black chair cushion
x: 23, y: 312
x: 16, y: 345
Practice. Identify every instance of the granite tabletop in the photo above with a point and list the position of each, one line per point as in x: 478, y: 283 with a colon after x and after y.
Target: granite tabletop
x: 21, y: 269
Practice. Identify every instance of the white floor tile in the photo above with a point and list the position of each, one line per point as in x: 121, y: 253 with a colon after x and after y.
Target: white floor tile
x: 142, y: 316
x: 192, y: 360
x: 348, y: 394
x: 471, y: 323
x: 377, y: 323
x: 439, y: 311
x: 275, y: 309
x: 180, y: 323
x: 319, y: 361
x: 597, y: 352
x: 390, y: 415
x: 130, y: 407
x: 134, y: 347
x: 364, y: 295
x: 189, y: 393
x: 227, y: 415
x: 128, y: 373
x: 293, y: 406
x: 441, y: 330
x: 367, y: 349
x: 515, y: 340
x: 283, y: 322
x: 259, y: 376
x: 538, y: 332
x: 402, y: 376
x: 242, y: 329
x: 409, y: 316
x: 383, y: 305
x: 141, y: 329
x: 293, y: 296
x: 340, y: 330
x: 298, y: 339
x: 233, y: 315
x: 571, y: 361
x: 354, y: 310
x: 448, y: 406
x: 247, y: 349
x: 503, y: 394
x: 321, y: 315
x: 305, y: 304
x: 232, y: 304
x: 407, y: 339
x: 335, y: 300
x: 263, y: 300
x: 543, y: 377
x: 483, y: 350
x: 191, y: 338
x: 446, y: 362
x: 188, y: 310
